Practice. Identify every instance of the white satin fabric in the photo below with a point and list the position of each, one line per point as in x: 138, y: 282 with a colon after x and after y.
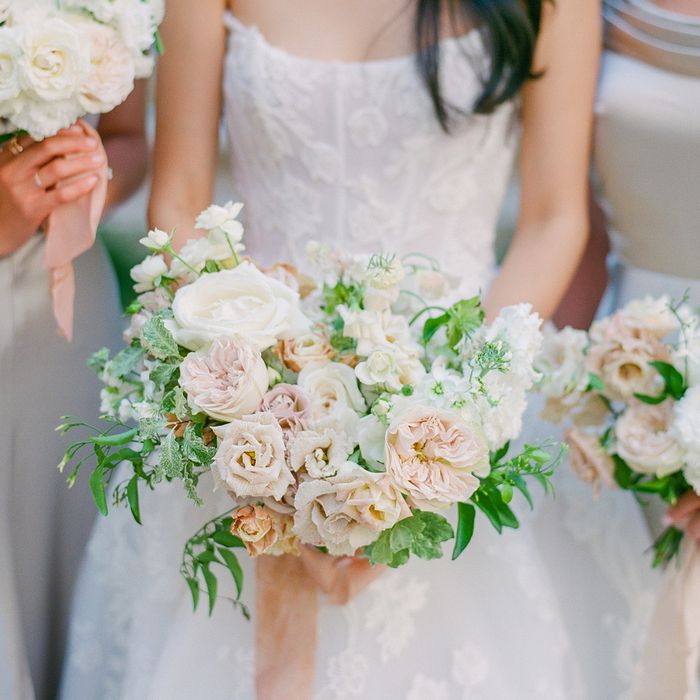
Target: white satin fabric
x: 43, y: 526
x: 351, y: 154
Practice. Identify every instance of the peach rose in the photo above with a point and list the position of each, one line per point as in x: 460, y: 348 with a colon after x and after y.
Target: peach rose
x: 620, y: 355
x: 347, y: 511
x: 226, y: 381
x: 250, y: 460
x: 289, y: 405
x: 304, y: 350
x: 263, y: 531
x: 588, y: 459
x: 645, y: 441
x: 434, y: 456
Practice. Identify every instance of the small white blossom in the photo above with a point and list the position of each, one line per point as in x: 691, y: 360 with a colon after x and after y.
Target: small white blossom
x: 148, y: 274
x: 156, y: 239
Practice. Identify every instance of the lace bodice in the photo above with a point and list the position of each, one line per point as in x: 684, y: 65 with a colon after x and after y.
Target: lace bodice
x: 351, y: 154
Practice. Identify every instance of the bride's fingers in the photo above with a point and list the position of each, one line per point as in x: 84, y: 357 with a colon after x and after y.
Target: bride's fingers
x: 39, y: 154
x: 687, y: 505
x: 61, y: 169
x: 70, y: 192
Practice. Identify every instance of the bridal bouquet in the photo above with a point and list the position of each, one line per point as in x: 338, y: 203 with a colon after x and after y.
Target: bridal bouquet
x: 348, y: 411
x: 631, y: 389
x: 63, y: 59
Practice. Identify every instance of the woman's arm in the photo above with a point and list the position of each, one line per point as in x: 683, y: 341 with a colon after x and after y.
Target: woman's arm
x: 557, y: 123
x: 123, y: 134
x: 578, y: 307
x: 188, y: 109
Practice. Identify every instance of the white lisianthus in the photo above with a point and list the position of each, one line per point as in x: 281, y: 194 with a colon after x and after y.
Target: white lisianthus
x: 221, y: 221
x: 156, y: 239
x: 250, y: 460
x: 686, y: 429
x: 148, y: 274
x: 111, y: 79
x: 654, y: 315
x: 240, y: 303
x: 321, y: 455
x: 9, y: 71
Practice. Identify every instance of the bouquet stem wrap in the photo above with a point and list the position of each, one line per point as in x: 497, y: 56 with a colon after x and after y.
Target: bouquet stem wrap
x: 669, y: 663
x: 70, y: 232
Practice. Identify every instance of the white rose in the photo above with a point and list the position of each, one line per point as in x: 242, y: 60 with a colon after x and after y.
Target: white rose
x: 135, y: 23
x: 226, y: 382
x: 372, y: 329
x: 9, y: 72
x: 250, y: 459
x: 111, y: 79
x: 321, y: 455
x: 102, y: 10
x: 348, y: 511
x: 240, y: 303
x: 646, y: 442
x: 331, y: 385
x: 55, y: 58
x: 147, y: 274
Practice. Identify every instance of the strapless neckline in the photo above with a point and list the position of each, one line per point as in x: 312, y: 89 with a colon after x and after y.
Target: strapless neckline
x: 463, y: 41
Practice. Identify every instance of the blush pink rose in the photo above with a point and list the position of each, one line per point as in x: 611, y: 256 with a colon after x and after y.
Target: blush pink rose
x: 226, y: 381
x: 435, y: 457
x: 289, y: 405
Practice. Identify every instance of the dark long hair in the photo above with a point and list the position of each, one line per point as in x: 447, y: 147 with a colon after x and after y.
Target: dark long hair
x: 509, y: 29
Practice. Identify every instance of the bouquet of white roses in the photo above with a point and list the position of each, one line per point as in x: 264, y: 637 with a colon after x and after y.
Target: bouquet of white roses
x: 631, y: 389
x: 63, y: 59
x: 346, y: 412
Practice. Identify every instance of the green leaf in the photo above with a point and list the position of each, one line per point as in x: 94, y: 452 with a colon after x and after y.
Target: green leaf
x: 465, y: 528
x: 151, y: 427
x: 380, y: 552
x: 126, y: 361
x: 500, y: 454
x: 675, y: 384
x: 667, y: 547
x: 208, y: 556
x: 158, y: 340
x: 181, y: 410
x: 98, y: 360
x: 226, y: 539
x: 115, y: 440
x: 507, y: 492
x: 435, y: 526
x: 484, y: 504
x: 433, y: 325
x: 171, y: 464
x: 624, y: 476
x: 521, y: 485
x: 132, y: 496
x: 401, y: 536
x: 212, y: 586
x: 651, y: 400
x: 194, y: 590
x: 595, y: 383
x: 162, y: 374
x: 465, y: 317
x: 195, y: 449
x: 234, y: 567
x: 97, y: 486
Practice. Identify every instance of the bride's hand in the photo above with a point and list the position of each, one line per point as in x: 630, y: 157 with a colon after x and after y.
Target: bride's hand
x: 44, y: 175
x: 340, y: 578
x: 686, y: 515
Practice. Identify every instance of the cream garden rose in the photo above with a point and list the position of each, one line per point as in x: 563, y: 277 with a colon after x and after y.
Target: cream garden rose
x: 312, y: 348
x: 331, y: 385
x: 348, y: 511
x: 239, y: 303
x: 250, y: 460
x: 646, y: 442
x: 227, y: 381
x: 9, y: 68
x: 434, y: 456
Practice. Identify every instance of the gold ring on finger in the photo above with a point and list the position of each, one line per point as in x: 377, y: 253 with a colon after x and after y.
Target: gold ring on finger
x: 15, y: 146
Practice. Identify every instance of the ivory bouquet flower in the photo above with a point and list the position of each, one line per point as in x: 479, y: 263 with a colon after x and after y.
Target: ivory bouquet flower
x: 630, y: 391
x: 349, y: 411
x: 63, y: 59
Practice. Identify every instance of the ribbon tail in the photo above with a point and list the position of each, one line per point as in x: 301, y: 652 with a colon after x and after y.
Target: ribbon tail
x: 62, y: 288
x: 668, y: 667
x: 286, y: 629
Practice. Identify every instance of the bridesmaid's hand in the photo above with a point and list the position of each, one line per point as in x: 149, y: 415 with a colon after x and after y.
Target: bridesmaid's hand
x: 340, y: 578
x: 43, y: 176
x: 686, y: 515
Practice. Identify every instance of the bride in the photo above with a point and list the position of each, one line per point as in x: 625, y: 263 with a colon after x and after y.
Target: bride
x: 389, y: 123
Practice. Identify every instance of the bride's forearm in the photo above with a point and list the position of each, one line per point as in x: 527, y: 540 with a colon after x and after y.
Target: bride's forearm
x: 539, y: 265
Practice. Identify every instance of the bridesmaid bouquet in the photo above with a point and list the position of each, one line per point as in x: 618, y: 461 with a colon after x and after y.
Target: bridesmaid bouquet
x: 631, y: 389
x: 348, y: 412
x: 63, y: 59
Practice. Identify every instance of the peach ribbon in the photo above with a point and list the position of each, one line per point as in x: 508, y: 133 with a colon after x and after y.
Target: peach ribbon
x: 70, y: 231
x: 669, y: 664
x: 287, y: 616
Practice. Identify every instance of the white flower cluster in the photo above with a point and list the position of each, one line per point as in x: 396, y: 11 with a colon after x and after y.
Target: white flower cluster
x: 62, y: 60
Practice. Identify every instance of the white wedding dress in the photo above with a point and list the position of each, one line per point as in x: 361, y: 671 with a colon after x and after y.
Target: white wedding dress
x: 351, y: 154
